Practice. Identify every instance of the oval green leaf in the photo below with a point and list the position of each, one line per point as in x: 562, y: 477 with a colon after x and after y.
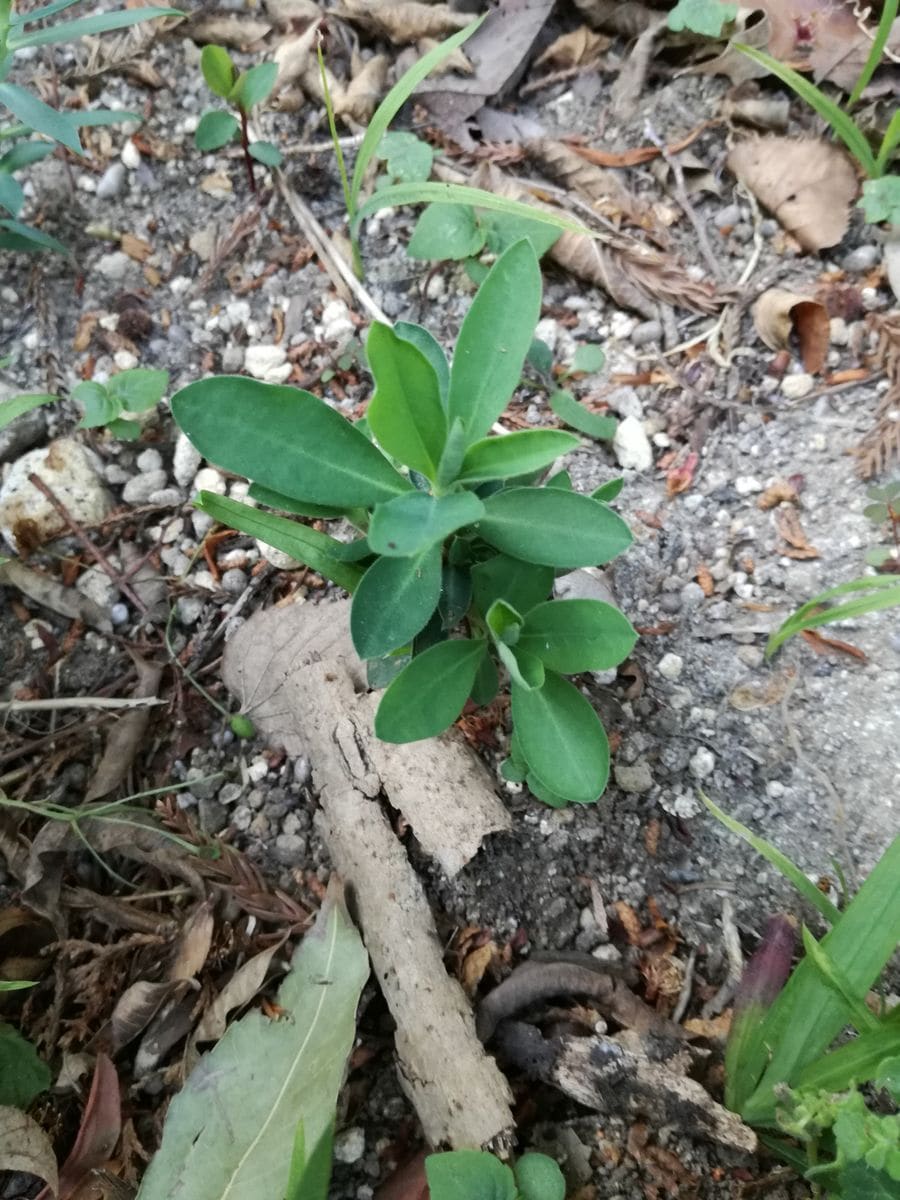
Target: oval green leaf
x: 216, y: 129
x: 494, y: 340
x: 286, y: 439
x: 411, y: 523
x: 562, y: 739
x: 33, y: 112
x: 514, y: 454
x: 406, y: 414
x: 265, y: 153
x: 446, y: 231
x: 393, y: 602
x: 138, y: 389
x: 521, y: 584
x: 595, y: 425
x: 525, y: 670
x: 577, y: 635
x: 554, y: 527
x: 218, y: 70
x: 431, y: 348
x: 253, y: 86
x: 324, y: 555
x: 429, y: 694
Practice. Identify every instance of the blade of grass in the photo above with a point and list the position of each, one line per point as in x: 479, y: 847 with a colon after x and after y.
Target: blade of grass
x: 394, y: 101
x: 863, y: 1018
x: 888, y: 13
x: 889, y: 144
x: 853, y: 1063
x: 841, y: 124
x: 781, y: 862
x: 455, y: 193
x: 887, y: 595
x: 808, y: 1014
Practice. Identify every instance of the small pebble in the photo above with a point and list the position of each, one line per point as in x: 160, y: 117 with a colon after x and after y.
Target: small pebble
x: 258, y: 770
x: 268, y: 363
x: 230, y: 793
x: 350, y: 1145
x: 863, y: 258
x: 149, y: 460
x: 113, y: 266
x: 166, y: 496
x: 188, y: 609
x: 727, y: 216
x: 670, y: 666
x: 208, y: 479
x: 636, y: 778
x: 703, y: 763
x: 185, y: 461
x: 111, y: 181
x: 646, y: 332
x: 119, y: 614
x: 747, y: 485
x: 130, y: 156
x: 233, y: 581
x: 631, y: 446
x: 795, y: 387
x: 290, y: 849
x: 139, y: 488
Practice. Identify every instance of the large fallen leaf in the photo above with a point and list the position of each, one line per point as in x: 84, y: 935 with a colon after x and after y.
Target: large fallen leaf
x: 603, y: 189
x: 362, y: 94
x: 101, y: 1124
x: 576, y: 49
x: 404, y: 20
x: 231, y: 1129
x: 806, y: 183
x: 778, y: 314
x: 25, y: 1148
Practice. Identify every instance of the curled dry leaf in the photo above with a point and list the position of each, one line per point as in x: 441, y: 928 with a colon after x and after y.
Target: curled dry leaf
x: 101, y: 1124
x: 288, y: 11
x: 579, y: 48
x: 629, y: 20
x: 808, y: 184
x: 761, y: 693
x: 778, y: 314
x: 457, y: 61
x: 225, y: 29
x: 298, y: 64
x: 362, y: 94
x: 134, y: 1010
x: 192, y: 949
x: 738, y: 67
x: 404, y: 21
x: 797, y: 545
x: 238, y: 991
x: 25, y: 1149
x: 603, y: 189
x: 747, y: 104
x: 127, y: 735
x: 782, y: 491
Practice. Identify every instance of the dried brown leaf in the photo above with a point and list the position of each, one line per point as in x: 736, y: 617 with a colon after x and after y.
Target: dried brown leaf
x: 475, y: 964
x: 822, y: 644
x: 362, y: 94
x: 135, y: 247
x: 457, y: 61
x: 289, y: 11
x: 101, y: 1124
x: 787, y: 522
x: 779, y: 313
x: 404, y: 20
x: 763, y: 694
x: 134, y: 1010
x: 576, y: 49
x: 238, y: 991
x: 807, y: 183
x: 601, y: 188
x: 192, y: 948
x: 780, y: 492
x: 225, y: 29
x: 26, y: 1149
x: 630, y: 20
x: 747, y: 104
x: 714, y: 1028
x: 881, y: 445
x: 127, y: 735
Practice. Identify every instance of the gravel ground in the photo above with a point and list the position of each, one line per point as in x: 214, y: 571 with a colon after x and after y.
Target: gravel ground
x: 803, y: 748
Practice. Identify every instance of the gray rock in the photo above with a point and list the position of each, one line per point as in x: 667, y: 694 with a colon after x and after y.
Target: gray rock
x: 22, y: 433
x: 241, y: 818
x: 113, y: 266
x: 350, y: 1145
x: 670, y: 666
x: 635, y: 778
x: 631, y: 446
x: 140, y: 488
x: 203, y: 783
x: 290, y: 849
x: 68, y: 470
x: 625, y: 402
x: 169, y: 496
x: 185, y: 461
x: 213, y: 817
x: 230, y: 793
x: 729, y: 215
x: 119, y: 614
x: 111, y: 182
x: 646, y: 332
x: 149, y: 460
x: 702, y: 763
x: 234, y: 581
x: 863, y: 258
x: 188, y: 609
x: 692, y: 594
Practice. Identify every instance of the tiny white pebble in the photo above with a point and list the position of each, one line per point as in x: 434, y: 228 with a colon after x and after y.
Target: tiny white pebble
x: 670, y: 666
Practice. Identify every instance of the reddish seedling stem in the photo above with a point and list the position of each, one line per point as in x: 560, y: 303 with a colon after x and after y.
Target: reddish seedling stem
x: 245, y: 146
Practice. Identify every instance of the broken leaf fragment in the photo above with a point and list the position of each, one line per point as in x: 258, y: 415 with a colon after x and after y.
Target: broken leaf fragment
x: 806, y: 183
x: 779, y: 314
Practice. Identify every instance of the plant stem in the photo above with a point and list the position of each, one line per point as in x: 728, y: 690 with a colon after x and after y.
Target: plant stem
x: 245, y: 146
x: 339, y: 155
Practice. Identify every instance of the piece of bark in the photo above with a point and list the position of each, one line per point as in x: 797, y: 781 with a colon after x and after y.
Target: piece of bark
x: 458, y: 1092
x: 66, y: 601
x: 626, y: 1075
x: 297, y: 675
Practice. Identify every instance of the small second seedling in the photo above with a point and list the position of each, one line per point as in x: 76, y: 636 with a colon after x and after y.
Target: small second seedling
x: 243, y: 90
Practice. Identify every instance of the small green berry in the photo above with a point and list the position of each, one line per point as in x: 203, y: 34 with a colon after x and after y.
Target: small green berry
x: 242, y: 726
x: 539, y: 1178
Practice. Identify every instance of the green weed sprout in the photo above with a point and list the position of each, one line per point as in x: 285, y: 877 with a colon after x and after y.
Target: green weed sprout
x: 460, y: 534
x: 36, y: 129
x: 783, y: 1070
x: 243, y: 91
x: 103, y: 403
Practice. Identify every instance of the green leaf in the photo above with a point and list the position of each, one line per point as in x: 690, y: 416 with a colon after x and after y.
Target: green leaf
x: 394, y: 101
x: 861, y: 1015
x: 446, y: 231
x: 881, y: 200
x: 607, y: 492
x: 512, y: 771
x: 456, y: 595
x: 33, y: 112
x: 70, y: 31
x: 318, y: 551
x: 514, y: 454
x: 567, y: 408
x: 15, y: 406
x: 393, y: 602
x: 101, y: 116
x: 544, y: 794
x: 856, y: 1062
x: 429, y: 694
x: 453, y: 454
x: 779, y: 861
x: 287, y: 440
x: 23, y: 1076
x: 126, y: 431
x: 487, y: 682
x: 494, y: 339
x: 842, y: 125
x: 589, y: 359
x: 11, y: 195
x: 550, y: 526
x: 886, y: 595
x: 504, y: 622
x: 408, y: 158
x: 539, y: 1178
x: 266, y: 153
x: 138, y: 389
x: 540, y: 356
x: 876, y: 50
x: 310, y: 1174
x: 859, y: 1182
x: 578, y: 635
x: 410, y: 524
x: 562, y: 480
x: 99, y: 406
x: 524, y: 669
x: 216, y: 129
x: 405, y: 414
x: 707, y: 17
x: 301, y: 508
x: 562, y: 739
x: 891, y: 139
x: 218, y: 70
x: 24, y: 154
x: 808, y: 1014
x: 521, y: 584
x: 18, y: 19
x: 469, y: 1175
x: 428, y: 344
x: 503, y: 230
x: 253, y: 86
x: 27, y: 238
x: 230, y: 1130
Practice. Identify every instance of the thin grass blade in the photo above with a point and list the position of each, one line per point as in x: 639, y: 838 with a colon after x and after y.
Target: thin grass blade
x: 885, y: 24
x: 886, y: 595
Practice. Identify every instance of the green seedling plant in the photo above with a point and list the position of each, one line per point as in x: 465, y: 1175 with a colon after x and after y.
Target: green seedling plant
x: 885, y: 510
x: 478, y: 1175
x: 784, y: 1071
x: 415, y: 189
x: 881, y: 189
x: 33, y: 129
x: 133, y: 391
x: 459, y: 535
x: 242, y: 91
x: 876, y: 592
x: 587, y: 360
